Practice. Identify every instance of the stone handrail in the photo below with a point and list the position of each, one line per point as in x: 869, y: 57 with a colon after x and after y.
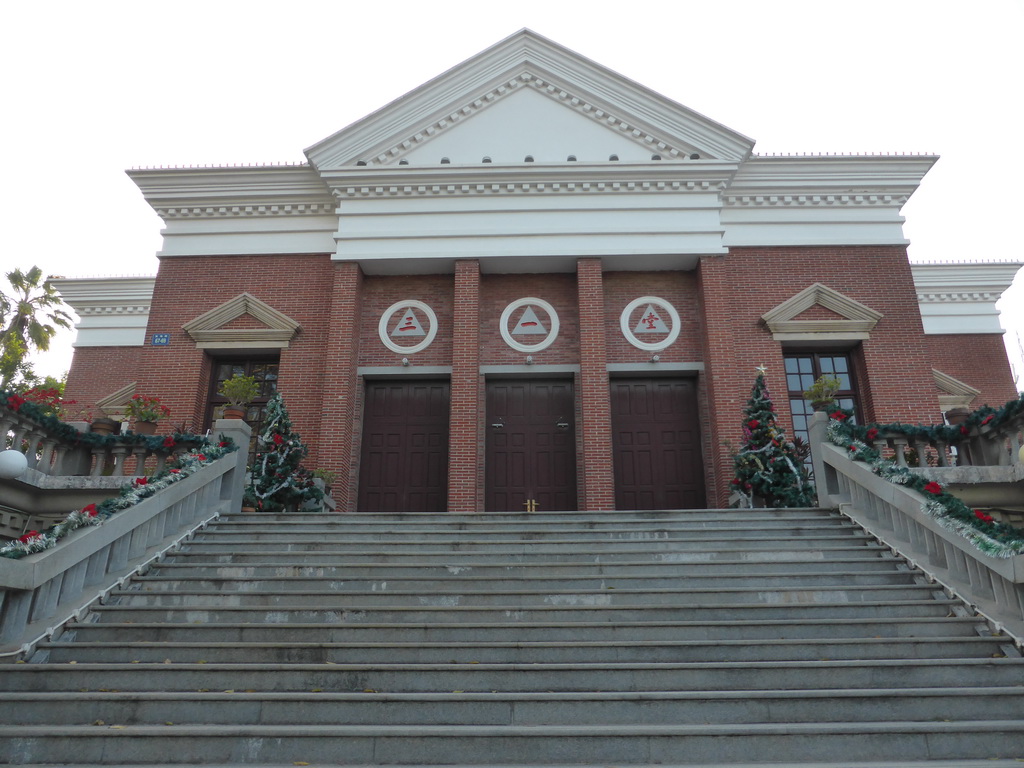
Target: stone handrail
x: 41, y: 590
x: 896, y: 515
x: 51, y: 451
x: 981, y: 446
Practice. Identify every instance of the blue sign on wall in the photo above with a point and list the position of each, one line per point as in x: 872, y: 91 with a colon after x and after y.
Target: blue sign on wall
x: 161, y: 339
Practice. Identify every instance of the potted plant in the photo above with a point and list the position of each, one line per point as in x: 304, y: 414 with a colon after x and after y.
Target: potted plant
x: 240, y: 391
x: 146, y: 411
x: 822, y: 393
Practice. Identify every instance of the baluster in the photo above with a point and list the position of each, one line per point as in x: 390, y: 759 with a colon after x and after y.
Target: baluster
x: 139, y: 452
x: 942, y: 452
x: 46, y: 461
x: 900, y: 446
x: 119, y: 452
x: 32, y: 440
x: 921, y: 446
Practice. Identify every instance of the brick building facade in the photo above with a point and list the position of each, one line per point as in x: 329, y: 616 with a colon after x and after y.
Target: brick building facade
x: 531, y: 283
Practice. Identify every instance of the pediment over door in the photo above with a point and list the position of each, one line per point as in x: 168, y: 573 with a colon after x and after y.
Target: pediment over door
x: 820, y: 313
x: 243, y: 322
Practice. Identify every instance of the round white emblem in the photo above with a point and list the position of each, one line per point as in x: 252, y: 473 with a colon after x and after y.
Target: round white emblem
x: 529, y: 333
x: 660, y: 327
x: 404, y: 320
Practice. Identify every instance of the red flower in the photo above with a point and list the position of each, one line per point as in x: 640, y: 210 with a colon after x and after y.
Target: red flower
x: 964, y: 430
x: 141, y: 480
x: 735, y: 481
x: 933, y: 487
x: 852, y: 447
x: 278, y: 439
x: 753, y: 423
x: 90, y: 510
x: 872, y: 433
x: 837, y: 415
x: 168, y: 442
x: 15, y: 402
x: 985, y: 518
x: 28, y: 537
x: 987, y: 419
x: 222, y: 444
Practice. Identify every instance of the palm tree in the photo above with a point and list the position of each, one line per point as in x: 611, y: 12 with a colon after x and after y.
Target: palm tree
x: 28, y: 315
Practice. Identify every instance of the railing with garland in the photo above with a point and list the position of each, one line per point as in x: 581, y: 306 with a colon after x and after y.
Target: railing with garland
x: 870, y: 474
x: 48, y: 577
x: 56, y: 448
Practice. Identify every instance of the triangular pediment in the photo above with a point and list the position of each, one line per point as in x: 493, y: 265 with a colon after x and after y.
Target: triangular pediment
x: 843, y: 318
x: 243, y: 322
x: 954, y: 393
x: 528, y: 96
x: 115, y: 404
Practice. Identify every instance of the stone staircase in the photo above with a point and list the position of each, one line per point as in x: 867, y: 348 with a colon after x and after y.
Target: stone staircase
x: 707, y: 637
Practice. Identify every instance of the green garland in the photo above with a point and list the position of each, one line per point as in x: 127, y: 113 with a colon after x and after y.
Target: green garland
x: 68, y: 434
x: 994, y: 538
x: 128, y: 496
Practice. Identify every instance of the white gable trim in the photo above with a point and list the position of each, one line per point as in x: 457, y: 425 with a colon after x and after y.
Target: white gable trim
x: 856, y: 323
x: 208, y: 333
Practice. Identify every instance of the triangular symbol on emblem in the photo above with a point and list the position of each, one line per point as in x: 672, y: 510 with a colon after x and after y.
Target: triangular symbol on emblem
x: 650, y: 322
x: 530, y: 325
x: 408, y: 325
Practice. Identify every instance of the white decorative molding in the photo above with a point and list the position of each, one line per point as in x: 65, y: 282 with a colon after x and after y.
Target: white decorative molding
x: 112, y: 311
x: 114, y: 404
x: 526, y: 60
x: 549, y: 337
x: 856, y: 320
x: 208, y: 333
x: 958, y: 298
x: 955, y: 394
x: 385, y: 318
x: 279, y: 208
x: 626, y: 326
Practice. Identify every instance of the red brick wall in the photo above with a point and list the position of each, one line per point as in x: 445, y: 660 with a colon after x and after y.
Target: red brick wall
x: 186, y: 287
x: 594, y: 429
x: 737, y: 289
x: 978, y: 360
x: 466, y: 430
x: 98, y: 372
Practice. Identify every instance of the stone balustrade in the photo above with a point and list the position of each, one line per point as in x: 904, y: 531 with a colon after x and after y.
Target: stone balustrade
x: 39, y: 591
x: 896, y: 515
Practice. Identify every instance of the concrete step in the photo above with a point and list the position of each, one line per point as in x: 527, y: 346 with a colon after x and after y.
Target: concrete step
x: 329, y: 599
x: 371, y: 612
x: 540, y: 542
x: 533, y: 708
x: 547, y: 631
x: 700, y: 676
x: 526, y: 652
x: 531, y: 744
x: 241, y: 554
x: 526, y: 530
x: 579, y: 519
x: 193, y: 567
x: 539, y: 580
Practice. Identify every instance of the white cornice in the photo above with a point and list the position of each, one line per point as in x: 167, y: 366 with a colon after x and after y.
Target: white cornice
x: 527, y: 59
x: 532, y: 179
x: 112, y: 311
x: 961, y: 298
x: 234, y: 192
x: 841, y: 180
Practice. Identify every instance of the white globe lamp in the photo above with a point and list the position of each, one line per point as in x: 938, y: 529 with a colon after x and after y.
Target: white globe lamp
x: 12, y: 464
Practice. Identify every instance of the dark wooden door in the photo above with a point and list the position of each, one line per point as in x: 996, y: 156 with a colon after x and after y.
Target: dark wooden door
x: 404, y: 464
x: 656, y: 443
x: 531, y: 445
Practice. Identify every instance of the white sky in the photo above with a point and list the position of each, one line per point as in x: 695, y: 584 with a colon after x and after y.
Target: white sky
x: 90, y: 89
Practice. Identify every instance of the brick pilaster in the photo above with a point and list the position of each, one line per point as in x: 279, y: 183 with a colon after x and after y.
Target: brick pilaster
x: 465, y: 446
x: 339, y: 441
x: 595, y: 431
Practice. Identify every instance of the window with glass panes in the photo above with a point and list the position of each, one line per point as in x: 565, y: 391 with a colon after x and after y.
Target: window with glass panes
x: 264, y: 370
x: 802, y: 370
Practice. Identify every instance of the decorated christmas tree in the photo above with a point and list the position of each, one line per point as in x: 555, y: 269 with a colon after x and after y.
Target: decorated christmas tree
x: 279, y: 481
x: 768, y: 470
